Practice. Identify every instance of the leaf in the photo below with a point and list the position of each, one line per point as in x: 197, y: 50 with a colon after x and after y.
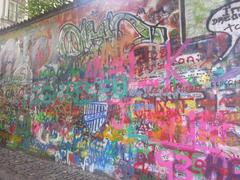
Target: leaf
x: 36, y: 7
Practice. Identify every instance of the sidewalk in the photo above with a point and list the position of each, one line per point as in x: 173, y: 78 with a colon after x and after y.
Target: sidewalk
x: 16, y: 165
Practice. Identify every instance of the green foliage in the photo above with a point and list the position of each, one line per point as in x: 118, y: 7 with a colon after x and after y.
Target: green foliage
x: 37, y: 7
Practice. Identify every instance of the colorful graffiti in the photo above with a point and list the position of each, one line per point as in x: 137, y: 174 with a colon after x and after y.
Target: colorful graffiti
x: 127, y: 88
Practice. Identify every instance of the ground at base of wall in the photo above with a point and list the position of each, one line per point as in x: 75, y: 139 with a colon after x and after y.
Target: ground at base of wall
x: 16, y: 165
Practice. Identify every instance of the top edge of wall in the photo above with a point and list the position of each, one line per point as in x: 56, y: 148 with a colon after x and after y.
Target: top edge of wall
x: 47, y: 15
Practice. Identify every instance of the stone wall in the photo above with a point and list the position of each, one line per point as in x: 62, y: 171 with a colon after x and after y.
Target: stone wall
x: 138, y: 89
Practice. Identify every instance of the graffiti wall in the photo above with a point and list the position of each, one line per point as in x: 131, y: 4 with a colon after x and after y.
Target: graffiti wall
x: 137, y: 89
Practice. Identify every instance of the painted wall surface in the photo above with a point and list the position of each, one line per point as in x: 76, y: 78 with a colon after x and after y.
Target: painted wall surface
x: 138, y: 89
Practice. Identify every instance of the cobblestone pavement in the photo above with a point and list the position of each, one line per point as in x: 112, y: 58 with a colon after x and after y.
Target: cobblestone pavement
x: 16, y: 165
